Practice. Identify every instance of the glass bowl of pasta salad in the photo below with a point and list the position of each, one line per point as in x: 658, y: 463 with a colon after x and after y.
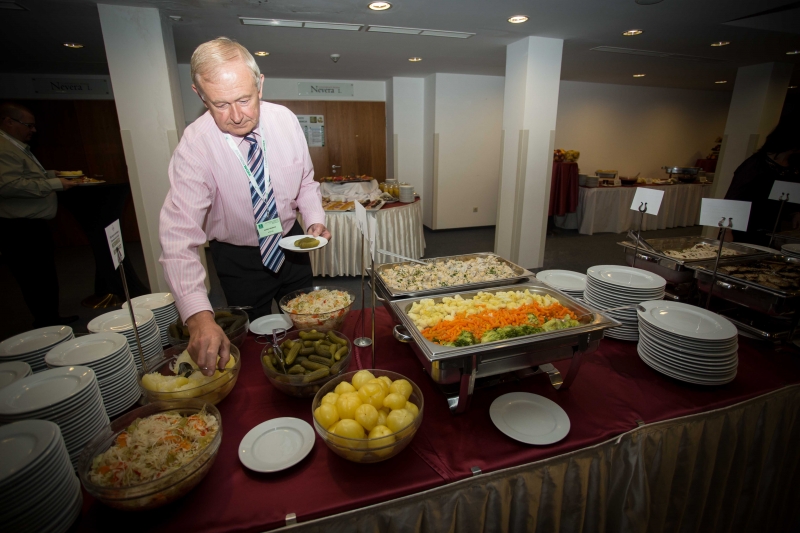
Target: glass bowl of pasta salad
x: 153, y: 455
x: 322, y: 308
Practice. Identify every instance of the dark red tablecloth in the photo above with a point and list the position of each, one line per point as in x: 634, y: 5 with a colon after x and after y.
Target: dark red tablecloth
x: 564, y: 189
x: 613, y: 389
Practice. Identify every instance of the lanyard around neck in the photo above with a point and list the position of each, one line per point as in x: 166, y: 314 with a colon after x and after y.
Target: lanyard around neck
x: 246, y: 167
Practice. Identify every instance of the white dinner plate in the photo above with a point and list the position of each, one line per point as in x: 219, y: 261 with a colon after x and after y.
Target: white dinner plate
x: 287, y: 243
x: 21, y: 444
x: 276, y: 444
x: 13, y: 371
x: 151, y: 301
x: 44, y: 389
x: 35, y: 340
x: 264, y: 325
x: 687, y: 320
x: 680, y: 376
x: 120, y: 321
x: 87, y: 349
x: 529, y: 418
x: 565, y: 280
x: 623, y: 276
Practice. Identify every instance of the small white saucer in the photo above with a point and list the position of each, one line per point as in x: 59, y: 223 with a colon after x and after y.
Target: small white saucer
x: 264, y: 325
x: 529, y: 418
x: 276, y: 444
x: 287, y: 243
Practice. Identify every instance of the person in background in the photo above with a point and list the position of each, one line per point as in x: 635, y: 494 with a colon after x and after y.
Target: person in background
x: 777, y: 160
x: 237, y: 178
x: 27, y: 201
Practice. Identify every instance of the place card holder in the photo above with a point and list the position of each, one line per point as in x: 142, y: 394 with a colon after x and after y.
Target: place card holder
x: 643, y: 197
x: 783, y: 191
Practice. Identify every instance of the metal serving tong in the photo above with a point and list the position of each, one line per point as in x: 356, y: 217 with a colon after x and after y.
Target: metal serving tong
x: 277, y: 335
x: 642, y: 242
x: 390, y: 254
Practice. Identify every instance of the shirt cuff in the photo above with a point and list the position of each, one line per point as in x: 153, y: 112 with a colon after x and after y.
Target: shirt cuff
x: 55, y: 184
x: 191, y: 304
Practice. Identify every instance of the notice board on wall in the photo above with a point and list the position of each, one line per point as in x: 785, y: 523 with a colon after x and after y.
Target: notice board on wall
x: 313, y: 128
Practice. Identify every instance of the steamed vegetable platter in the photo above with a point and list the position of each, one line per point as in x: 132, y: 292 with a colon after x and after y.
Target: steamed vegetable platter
x: 487, y: 317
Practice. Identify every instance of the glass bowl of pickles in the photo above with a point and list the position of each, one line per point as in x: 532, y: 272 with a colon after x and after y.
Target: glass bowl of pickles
x: 306, y: 360
x: 233, y: 321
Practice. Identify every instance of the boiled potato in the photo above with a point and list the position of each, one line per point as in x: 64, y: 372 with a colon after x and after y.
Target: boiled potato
x: 401, y: 387
x: 361, y: 377
x: 326, y: 415
x: 367, y: 416
x: 412, y: 408
x: 330, y: 398
x: 343, y: 387
x: 394, y: 401
x: 398, y: 420
x: 372, y: 393
x: 347, y: 404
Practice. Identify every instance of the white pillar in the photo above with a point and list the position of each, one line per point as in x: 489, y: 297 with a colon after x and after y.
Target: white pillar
x: 756, y: 105
x: 404, y: 123
x: 533, y: 72
x: 144, y: 74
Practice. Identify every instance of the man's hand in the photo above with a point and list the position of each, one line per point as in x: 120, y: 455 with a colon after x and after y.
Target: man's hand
x: 67, y: 184
x: 206, y: 342
x: 319, y: 230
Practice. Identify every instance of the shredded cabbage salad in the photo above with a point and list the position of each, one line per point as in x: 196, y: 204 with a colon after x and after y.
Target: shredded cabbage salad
x: 321, y: 301
x: 152, y: 447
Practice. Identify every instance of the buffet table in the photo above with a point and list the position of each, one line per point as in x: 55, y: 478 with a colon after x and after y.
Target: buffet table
x: 607, y: 209
x: 399, y: 231
x: 644, y: 452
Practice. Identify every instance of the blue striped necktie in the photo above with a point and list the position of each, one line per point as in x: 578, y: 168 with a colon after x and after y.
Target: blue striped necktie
x: 271, y: 254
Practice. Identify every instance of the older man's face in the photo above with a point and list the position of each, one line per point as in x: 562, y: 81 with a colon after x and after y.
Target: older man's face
x: 22, y: 127
x: 232, y: 98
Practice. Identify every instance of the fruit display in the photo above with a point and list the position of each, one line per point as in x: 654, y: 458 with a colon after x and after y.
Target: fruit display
x: 568, y: 156
x: 369, y: 415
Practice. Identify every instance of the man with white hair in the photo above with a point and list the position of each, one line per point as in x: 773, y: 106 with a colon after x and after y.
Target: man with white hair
x: 237, y: 178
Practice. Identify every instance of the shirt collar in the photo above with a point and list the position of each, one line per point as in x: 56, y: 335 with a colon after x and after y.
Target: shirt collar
x: 21, y: 145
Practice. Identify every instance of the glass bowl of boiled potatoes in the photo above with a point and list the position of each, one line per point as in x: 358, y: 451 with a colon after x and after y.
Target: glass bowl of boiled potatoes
x: 368, y: 415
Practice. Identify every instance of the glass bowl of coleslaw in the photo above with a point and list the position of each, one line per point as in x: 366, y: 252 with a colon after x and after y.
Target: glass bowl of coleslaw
x: 183, y: 437
x: 323, y: 308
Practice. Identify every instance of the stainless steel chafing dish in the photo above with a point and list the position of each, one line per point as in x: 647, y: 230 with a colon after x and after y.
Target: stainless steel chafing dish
x: 747, y: 293
x: 449, y: 365
x: 677, y: 270
x: 520, y: 274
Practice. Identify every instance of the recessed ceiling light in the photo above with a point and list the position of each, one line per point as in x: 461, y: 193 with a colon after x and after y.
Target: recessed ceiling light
x: 176, y: 18
x: 414, y: 59
x: 631, y: 33
x: 721, y: 81
x: 721, y: 43
x: 517, y: 19
x: 793, y: 52
x: 639, y: 75
x: 261, y: 54
x: 73, y: 45
x: 793, y: 86
x: 380, y: 6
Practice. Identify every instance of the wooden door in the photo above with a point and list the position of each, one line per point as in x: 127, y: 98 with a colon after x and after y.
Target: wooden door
x: 355, y: 136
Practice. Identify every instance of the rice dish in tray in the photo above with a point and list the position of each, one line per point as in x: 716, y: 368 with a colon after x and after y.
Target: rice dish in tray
x: 414, y: 277
x: 152, y: 447
x: 700, y: 250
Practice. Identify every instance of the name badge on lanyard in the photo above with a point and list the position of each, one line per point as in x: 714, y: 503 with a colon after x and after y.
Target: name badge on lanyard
x: 268, y: 227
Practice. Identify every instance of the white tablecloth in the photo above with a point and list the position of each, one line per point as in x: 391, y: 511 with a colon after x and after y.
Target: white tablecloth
x: 607, y: 209
x: 399, y: 231
x: 359, y: 190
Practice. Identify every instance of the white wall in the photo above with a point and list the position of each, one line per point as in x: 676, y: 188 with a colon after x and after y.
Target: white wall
x: 428, y: 128
x: 469, y: 120
x: 405, y: 117
x: 638, y: 129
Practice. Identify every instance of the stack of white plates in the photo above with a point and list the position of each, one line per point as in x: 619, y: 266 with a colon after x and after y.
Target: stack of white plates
x: 31, y: 346
x: 149, y: 335
x: 39, y: 490
x: 791, y: 250
x: 162, y: 304
x: 611, y: 286
x: 688, y: 343
x: 13, y: 371
x: 68, y: 396
x: 570, y: 283
x: 109, y: 355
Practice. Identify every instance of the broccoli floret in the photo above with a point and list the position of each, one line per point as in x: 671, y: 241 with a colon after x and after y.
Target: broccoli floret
x: 465, y: 338
x: 491, y: 336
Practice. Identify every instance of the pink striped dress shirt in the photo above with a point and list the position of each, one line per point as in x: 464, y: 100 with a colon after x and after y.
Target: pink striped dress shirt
x: 209, y: 197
